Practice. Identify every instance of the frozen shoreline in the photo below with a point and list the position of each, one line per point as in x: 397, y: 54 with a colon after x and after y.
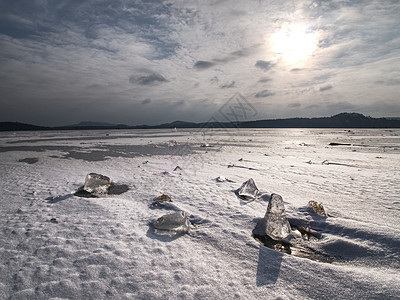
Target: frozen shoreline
x: 55, y: 244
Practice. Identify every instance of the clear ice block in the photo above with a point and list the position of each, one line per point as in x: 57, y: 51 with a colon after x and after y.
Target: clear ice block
x: 97, y: 183
x: 248, y: 190
x: 277, y: 225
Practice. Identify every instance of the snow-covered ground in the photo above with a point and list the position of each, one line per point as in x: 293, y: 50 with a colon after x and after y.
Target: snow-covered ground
x: 54, y: 244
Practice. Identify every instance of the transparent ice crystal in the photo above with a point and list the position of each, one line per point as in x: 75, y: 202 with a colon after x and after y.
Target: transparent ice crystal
x: 277, y: 225
x: 248, y: 190
x: 96, y: 183
x: 172, y: 224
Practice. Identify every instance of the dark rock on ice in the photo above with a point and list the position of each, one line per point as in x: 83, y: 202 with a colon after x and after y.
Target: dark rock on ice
x: 172, y: 224
x: 161, y: 200
x: 248, y: 190
x: 30, y: 160
x: 318, y: 208
x: 164, y: 198
x: 339, y: 144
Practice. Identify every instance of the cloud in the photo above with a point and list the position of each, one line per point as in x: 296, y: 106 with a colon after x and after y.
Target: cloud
x: 263, y: 64
x: 202, y: 64
x: 341, y: 106
x: 325, y: 88
x: 264, y: 79
x: 152, y: 79
x: 244, y: 52
x: 215, y: 79
x: 389, y: 82
x: 228, y: 85
x: 146, y: 101
x: 294, y: 105
x: 76, y: 56
x: 312, y: 106
x: 264, y: 94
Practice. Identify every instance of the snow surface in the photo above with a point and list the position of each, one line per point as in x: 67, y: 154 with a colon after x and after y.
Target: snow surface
x: 54, y: 244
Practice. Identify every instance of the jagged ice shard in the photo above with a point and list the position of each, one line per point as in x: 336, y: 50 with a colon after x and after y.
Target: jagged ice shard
x: 248, y: 190
x: 277, y: 225
x: 172, y: 224
x: 96, y: 183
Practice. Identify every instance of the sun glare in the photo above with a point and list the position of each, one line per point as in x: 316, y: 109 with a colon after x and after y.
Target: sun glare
x: 294, y: 43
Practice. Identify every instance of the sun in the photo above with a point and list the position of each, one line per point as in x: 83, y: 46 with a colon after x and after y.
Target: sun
x: 294, y: 43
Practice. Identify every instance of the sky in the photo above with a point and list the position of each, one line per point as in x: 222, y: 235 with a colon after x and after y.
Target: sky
x: 151, y: 62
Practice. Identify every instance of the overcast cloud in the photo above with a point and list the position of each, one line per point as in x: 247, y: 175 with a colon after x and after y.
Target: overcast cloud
x: 136, y: 62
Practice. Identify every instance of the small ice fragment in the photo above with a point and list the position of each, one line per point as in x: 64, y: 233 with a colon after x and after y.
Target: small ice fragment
x: 172, y: 224
x: 220, y: 179
x: 172, y: 143
x: 277, y: 225
x: 318, y: 208
x: 248, y: 190
x: 96, y: 183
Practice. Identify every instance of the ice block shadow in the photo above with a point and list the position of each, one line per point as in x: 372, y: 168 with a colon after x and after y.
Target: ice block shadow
x: 269, y: 260
x: 114, y: 189
x: 59, y: 198
x: 269, y: 266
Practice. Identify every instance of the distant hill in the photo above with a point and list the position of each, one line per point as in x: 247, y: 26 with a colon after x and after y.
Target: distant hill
x: 16, y: 126
x: 342, y: 120
x: 91, y: 124
x: 88, y: 125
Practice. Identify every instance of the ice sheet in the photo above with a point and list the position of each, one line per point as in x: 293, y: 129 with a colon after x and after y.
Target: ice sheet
x: 55, y: 244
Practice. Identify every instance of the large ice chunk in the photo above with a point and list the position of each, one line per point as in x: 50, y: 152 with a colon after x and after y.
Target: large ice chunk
x: 248, y: 190
x: 277, y: 225
x: 96, y: 183
x: 172, y: 224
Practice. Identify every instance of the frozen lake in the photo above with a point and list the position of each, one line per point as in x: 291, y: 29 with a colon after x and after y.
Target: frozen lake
x: 56, y: 244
